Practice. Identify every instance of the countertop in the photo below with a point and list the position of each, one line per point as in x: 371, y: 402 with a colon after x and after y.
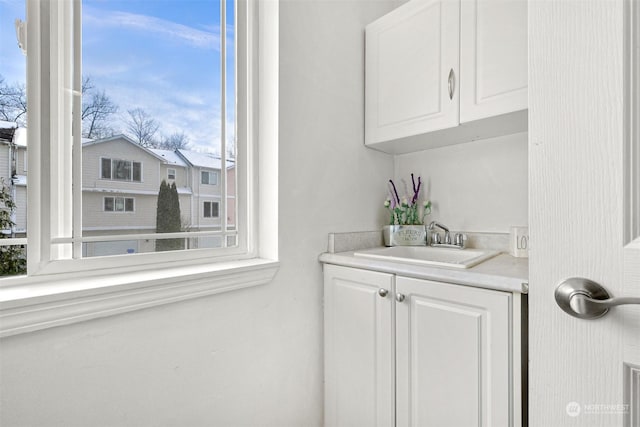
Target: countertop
x: 502, y: 272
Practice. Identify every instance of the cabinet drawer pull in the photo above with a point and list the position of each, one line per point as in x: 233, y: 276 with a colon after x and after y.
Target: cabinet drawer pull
x: 399, y: 297
x: 382, y: 292
x: 452, y: 83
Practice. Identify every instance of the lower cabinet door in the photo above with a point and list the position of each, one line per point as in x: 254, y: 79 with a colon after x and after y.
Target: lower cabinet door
x: 452, y: 355
x: 359, y: 352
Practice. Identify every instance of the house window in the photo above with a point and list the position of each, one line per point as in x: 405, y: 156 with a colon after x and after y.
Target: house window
x: 121, y: 170
x: 209, y: 177
x: 119, y: 204
x: 171, y: 174
x: 211, y: 210
x: 67, y: 182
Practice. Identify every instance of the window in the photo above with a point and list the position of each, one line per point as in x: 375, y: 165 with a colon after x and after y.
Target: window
x: 211, y: 210
x: 209, y: 177
x: 121, y: 170
x: 118, y: 204
x: 78, y: 160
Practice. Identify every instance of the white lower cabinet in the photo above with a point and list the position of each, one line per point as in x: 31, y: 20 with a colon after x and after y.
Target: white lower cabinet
x: 411, y: 352
x: 358, y: 348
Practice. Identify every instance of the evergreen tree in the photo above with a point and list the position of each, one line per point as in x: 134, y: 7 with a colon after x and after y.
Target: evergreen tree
x: 13, y: 259
x: 168, y: 217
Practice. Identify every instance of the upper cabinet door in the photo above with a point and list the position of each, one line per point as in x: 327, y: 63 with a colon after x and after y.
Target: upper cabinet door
x: 412, y: 70
x: 493, y: 58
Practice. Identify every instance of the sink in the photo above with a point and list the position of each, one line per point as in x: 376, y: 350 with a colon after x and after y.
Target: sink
x: 426, y: 255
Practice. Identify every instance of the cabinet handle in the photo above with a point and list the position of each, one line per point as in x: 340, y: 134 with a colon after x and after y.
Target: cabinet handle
x: 399, y: 297
x: 452, y: 83
x: 382, y: 292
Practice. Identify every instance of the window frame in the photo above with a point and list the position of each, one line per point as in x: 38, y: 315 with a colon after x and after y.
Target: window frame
x: 43, y: 301
x: 175, y: 173
x: 211, y: 203
x: 44, y: 256
x: 209, y: 173
x: 132, y: 164
x: 124, y: 204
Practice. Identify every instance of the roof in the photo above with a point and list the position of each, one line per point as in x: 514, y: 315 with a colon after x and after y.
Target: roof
x: 204, y: 160
x: 89, y: 143
x: 7, y: 129
x: 20, y: 137
x: 170, y: 156
x: 8, y: 125
x: 19, y: 180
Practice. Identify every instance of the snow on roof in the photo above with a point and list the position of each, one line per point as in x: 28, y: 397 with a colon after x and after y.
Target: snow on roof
x: 170, y: 156
x: 8, y: 125
x: 20, y: 137
x: 19, y: 180
x: 204, y: 160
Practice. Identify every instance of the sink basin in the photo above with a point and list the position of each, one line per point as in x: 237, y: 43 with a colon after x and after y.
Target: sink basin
x: 426, y: 255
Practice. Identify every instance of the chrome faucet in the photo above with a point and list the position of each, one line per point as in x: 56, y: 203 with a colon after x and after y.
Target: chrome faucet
x: 460, y: 239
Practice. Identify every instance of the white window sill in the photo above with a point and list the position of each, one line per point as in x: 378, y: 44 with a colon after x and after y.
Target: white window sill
x: 31, y: 307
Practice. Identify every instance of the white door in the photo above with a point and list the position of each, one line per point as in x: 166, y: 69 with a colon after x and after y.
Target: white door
x: 359, y: 352
x: 493, y: 58
x: 452, y: 356
x: 412, y: 70
x: 584, y: 177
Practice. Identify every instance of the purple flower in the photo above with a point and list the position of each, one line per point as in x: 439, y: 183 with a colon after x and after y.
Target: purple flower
x: 395, y: 192
x: 416, y: 191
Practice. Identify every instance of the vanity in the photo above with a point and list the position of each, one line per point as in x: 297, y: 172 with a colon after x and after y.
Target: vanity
x: 424, y: 344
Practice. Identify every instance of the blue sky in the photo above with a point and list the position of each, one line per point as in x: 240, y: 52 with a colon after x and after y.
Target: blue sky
x: 159, y: 55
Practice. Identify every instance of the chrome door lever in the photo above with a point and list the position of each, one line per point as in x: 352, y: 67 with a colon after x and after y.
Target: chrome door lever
x: 586, y: 299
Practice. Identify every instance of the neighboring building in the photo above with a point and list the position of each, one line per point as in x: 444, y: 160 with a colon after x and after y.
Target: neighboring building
x: 13, y: 171
x: 206, y: 207
x: 120, y: 184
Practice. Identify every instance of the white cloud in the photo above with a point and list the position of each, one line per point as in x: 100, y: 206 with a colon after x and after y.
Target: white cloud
x: 169, y: 29
x: 175, y: 112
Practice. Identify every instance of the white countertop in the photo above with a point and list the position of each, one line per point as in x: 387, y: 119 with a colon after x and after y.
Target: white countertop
x: 503, y: 272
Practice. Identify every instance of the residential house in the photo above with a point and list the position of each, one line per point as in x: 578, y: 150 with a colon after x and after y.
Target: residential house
x: 13, y: 171
x: 120, y: 184
x: 205, y: 180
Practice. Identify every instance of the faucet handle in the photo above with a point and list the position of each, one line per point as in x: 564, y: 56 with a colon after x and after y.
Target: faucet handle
x: 447, y: 238
x: 460, y: 239
x: 435, y: 238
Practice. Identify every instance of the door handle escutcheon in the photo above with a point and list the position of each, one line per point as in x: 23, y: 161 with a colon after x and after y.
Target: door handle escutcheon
x: 586, y: 299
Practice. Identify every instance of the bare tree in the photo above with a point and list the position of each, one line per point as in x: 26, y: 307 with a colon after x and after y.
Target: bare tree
x: 97, y: 108
x: 175, y: 141
x: 142, y: 127
x: 13, y: 102
x: 230, y: 148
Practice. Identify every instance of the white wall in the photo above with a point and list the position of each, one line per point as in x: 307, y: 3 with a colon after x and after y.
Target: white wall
x: 246, y: 358
x: 480, y: 186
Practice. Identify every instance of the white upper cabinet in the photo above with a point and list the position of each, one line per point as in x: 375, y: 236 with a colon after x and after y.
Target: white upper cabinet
x: 442, y: 72
x: 410, y: 54
x: 493, y: 58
